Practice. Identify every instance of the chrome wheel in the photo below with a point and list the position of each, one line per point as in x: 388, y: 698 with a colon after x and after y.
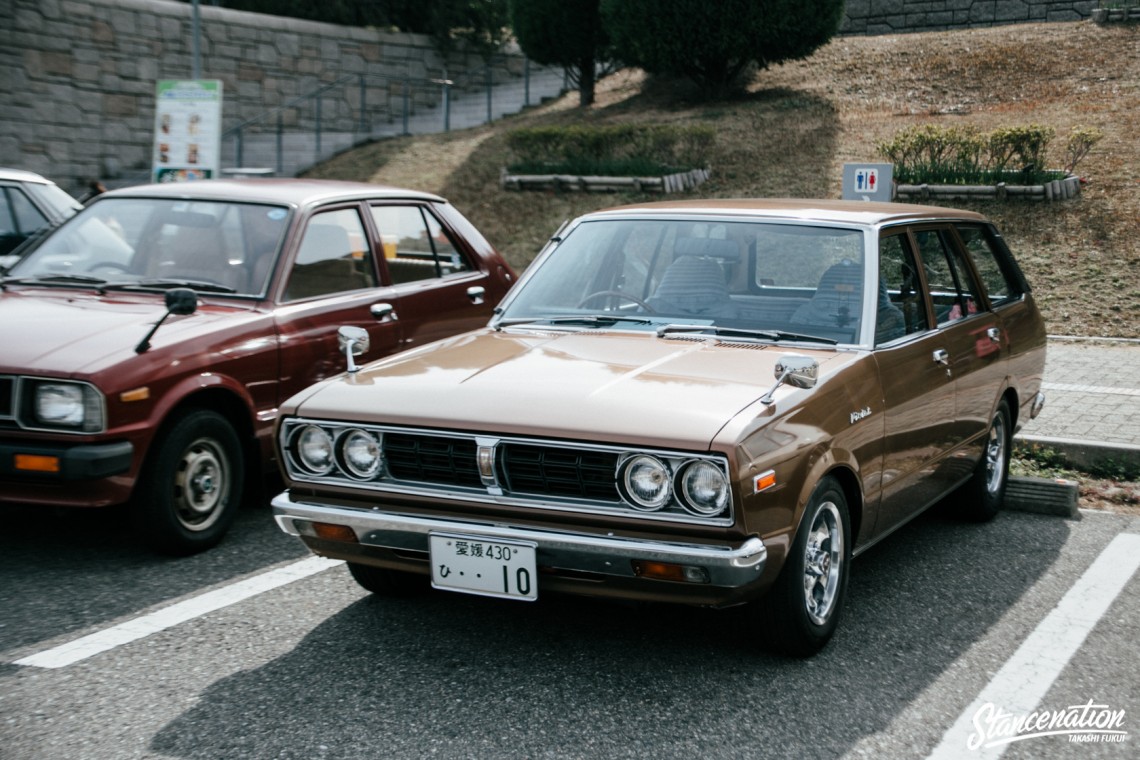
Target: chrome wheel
x: 995, y: 456
x: 823, y: 563
x: 201, y: 484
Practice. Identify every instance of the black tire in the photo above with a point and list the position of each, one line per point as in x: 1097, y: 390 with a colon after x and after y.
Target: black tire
x: 384, y: 582
x: 982, y: 495
x: 192, y: 485
x: 801, y: 611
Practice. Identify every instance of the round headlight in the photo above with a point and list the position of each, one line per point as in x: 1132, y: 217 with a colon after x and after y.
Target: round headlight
x: 314, y: 450
x: 646, y: 482
x: 59, y: 404
x: 704, y: 489
x: 360, y: 453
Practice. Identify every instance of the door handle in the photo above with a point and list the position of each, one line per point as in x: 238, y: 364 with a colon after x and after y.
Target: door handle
x: 477, y: 294
x: 994, y: 334
x: 941, y: 356
x: 383, y: 312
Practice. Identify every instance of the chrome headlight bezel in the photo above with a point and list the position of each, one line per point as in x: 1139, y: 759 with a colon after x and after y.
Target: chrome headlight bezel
x: 349, y: 448
x: 687, y: 485
x: 631, y: 482
x: 305, y: 445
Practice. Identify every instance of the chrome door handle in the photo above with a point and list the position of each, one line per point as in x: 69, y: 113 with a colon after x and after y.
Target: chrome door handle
x: 941, y: 356
x: 994, y: 334
x: 477, y: 294
x: 383, y: 312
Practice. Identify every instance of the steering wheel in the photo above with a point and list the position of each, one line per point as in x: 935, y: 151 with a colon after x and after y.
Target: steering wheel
x: 617, y: 294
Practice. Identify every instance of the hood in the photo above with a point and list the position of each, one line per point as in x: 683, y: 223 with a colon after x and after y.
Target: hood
x: 612, y: 387
x: 70, y: 333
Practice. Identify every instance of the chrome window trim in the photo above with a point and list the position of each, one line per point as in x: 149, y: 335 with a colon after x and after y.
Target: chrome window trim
x: 493, y: 491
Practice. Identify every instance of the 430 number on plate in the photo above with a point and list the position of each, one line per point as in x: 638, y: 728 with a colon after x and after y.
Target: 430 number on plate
x: 486, y: 567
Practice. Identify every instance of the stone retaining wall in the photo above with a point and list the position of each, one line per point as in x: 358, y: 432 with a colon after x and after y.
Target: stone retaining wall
x: 894, y: 16
x: 77, y: 77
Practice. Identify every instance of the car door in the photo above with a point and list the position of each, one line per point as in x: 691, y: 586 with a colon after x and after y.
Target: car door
x: 329, y: 280
x: 917, y: 387
x: 439, y: 288
x: 971, y: 336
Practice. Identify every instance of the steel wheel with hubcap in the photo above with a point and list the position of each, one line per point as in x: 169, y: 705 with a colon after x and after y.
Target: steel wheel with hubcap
x: 799, y: 614
x: 193, y: 484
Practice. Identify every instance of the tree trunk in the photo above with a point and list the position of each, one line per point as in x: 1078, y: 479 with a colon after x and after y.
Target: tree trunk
x: 586, y: 80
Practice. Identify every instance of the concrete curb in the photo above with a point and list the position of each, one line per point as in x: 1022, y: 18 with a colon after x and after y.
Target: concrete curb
x: 1080, y: 453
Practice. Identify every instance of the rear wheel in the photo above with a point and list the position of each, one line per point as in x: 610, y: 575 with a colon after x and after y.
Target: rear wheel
x: 193, y: 485
x: 385, y: 582
x: 983, y: 494
x: 800, y: 613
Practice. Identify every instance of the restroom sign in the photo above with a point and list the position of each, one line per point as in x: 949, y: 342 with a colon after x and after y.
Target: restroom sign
x: 867, y: 182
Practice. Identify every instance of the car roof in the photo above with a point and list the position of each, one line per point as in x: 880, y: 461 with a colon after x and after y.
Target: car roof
x: 851, y: 212
x: 19, y: 175
x: 294, y: 192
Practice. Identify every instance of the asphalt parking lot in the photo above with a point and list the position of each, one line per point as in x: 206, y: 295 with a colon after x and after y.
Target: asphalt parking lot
x: 315, y: 667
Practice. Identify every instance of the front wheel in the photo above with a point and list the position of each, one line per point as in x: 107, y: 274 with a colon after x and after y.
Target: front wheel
x: 800, y: 613
x: 984, y: 492
x: 192, y: 486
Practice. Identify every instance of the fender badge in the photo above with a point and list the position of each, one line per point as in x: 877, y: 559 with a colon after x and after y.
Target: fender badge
x: 860, y: 415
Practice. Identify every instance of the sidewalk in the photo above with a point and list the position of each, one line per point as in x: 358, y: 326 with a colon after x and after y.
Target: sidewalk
x: 1092, y: 408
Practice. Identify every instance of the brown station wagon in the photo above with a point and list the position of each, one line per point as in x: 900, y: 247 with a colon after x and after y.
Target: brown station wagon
x: 148, y: 342
x: 708, y: 402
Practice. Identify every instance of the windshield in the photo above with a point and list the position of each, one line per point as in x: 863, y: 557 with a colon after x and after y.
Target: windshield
x: 783, y: 280
x: 220, y: 247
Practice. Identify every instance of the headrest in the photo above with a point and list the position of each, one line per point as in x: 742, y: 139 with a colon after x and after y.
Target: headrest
x: 715, y: 248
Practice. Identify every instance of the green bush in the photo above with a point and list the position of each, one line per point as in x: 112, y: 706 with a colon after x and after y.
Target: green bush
x: 958, y: 155
x: 625, y: 149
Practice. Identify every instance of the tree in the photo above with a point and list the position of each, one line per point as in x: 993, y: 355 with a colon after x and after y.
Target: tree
x: 565, y: 33
x: 713, y: 42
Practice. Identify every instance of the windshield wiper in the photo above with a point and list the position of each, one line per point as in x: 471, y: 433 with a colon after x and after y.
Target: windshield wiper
x: 593, y: 320
x: 62, y: 280
x: 743, y: 333
x: 205, y: 285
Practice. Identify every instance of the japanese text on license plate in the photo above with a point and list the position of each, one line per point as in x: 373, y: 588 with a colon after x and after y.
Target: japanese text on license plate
x: 481, y: 566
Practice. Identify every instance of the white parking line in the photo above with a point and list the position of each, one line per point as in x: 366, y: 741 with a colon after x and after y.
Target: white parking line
x: 1025, y: 679
x: 132, y: 630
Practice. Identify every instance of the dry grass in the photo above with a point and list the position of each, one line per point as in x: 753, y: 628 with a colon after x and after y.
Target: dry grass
x: 790, y: 135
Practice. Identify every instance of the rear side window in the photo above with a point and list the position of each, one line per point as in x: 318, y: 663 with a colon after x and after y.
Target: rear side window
x: 1000, y: 285
x: 952, y: 289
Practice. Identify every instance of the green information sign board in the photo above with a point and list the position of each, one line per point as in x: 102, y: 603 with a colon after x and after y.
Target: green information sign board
x: 187, y: 130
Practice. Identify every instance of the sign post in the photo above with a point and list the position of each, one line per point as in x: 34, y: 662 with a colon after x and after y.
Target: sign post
x: 868, y: 182
x: 187, y: 130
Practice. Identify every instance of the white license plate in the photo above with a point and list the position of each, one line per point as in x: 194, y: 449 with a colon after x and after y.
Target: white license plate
x: 483, y: 566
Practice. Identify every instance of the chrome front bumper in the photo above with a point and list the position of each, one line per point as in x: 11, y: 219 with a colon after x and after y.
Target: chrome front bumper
x: 727, y: 566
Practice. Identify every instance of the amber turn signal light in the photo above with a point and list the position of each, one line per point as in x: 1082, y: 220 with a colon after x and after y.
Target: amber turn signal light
x: 332, y: 532
x: 37, y: 463
x: 667, y: 571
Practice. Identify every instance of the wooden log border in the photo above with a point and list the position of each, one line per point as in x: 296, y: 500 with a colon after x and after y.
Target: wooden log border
x: 670, y: 183
x: 1059, y: 189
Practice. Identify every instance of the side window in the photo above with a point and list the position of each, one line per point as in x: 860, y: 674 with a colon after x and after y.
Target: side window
x: 951, y: 288
x: 28, y: 217
x: 901, y: 308
x: 7, y: 218
x: 333, y: 257
x: 999, y: 285
x: 415, y: 244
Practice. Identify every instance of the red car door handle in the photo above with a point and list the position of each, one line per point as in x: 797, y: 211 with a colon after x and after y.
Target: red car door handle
x: 477, y: 294
x: 383, y: 312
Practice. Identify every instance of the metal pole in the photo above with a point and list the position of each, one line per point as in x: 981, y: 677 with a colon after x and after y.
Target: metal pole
x: 363, y: 106
x: 490, y: 80
x: 196, y: 34
x: 238, y: 148
x: 318, y: 156
x: 280, y: 146
x: 406, y: 99
x: 526, y: 81
x: 446, y: 105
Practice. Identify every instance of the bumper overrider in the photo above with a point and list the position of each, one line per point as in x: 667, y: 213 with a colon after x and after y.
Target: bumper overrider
x: 726, y: 569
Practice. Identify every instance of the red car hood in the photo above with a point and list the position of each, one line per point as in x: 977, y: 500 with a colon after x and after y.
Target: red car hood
x: 599, y: 386
x: 68, y: 333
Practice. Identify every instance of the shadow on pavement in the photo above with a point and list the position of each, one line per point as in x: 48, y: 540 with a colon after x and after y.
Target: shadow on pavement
x: 450, y: 675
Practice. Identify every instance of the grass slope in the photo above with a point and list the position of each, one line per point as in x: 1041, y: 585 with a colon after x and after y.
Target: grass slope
x: 791, y: 133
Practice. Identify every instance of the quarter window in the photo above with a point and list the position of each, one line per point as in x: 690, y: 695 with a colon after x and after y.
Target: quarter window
x: 999, y: 286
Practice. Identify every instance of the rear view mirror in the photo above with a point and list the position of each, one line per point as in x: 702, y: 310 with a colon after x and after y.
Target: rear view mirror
x: 797, y: 371
x: 353, y: 342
